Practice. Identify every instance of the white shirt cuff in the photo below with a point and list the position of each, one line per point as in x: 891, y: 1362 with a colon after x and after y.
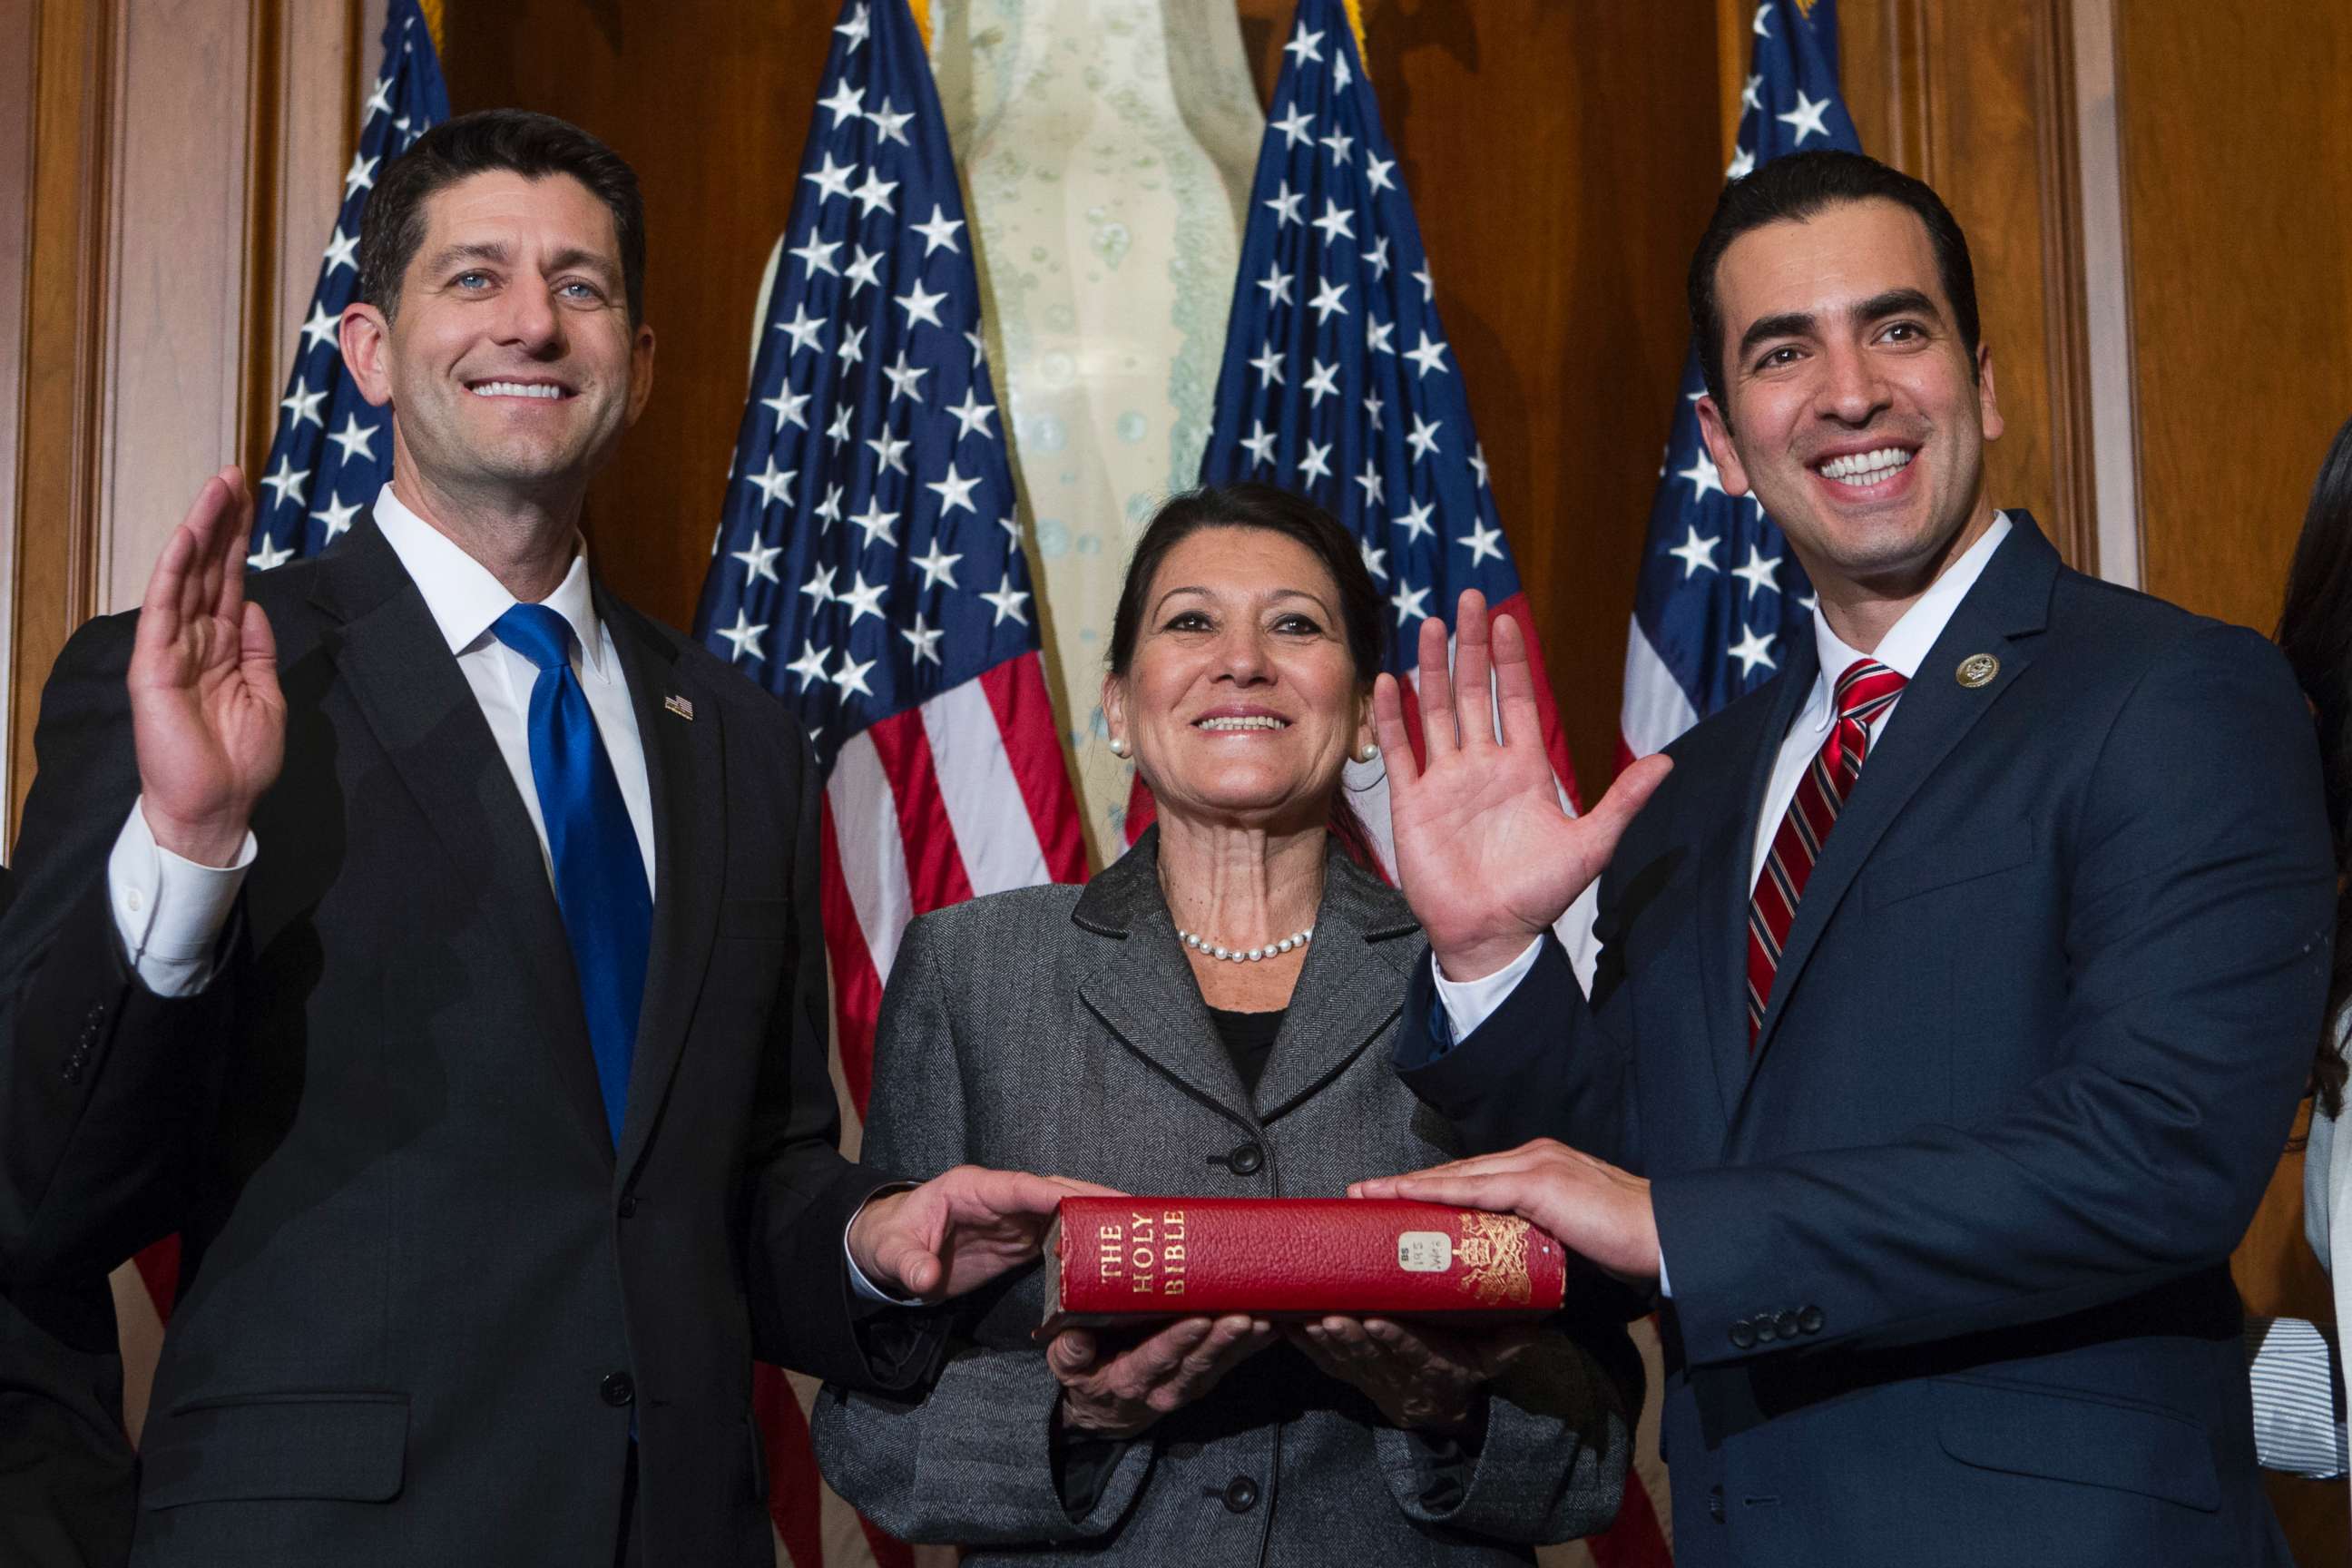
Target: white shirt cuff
x: 169, y: 911
x: 2298, y: 1401
x: 1665, y: 1286
x: 863, y: 1287
x: 1470, y: 1003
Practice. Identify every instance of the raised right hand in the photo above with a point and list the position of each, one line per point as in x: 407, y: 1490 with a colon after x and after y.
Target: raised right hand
x: 1122, y: 1394
x: 1487, y: 855
x: 206, y: 716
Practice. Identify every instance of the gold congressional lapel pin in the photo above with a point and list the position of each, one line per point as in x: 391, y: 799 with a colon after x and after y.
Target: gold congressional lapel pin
x: 679, y: 706
x: 1976, y: 670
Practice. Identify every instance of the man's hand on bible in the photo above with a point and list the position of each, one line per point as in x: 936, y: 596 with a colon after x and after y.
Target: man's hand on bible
x: 959, y: 1230
x: 1596, y: 1210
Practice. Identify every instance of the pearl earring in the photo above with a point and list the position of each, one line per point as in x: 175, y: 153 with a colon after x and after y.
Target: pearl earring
x: 1118, y: 747
x: 1370, y: 753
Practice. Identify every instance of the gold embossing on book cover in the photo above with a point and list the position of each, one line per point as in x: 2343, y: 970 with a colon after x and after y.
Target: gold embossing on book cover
x: 1493, y: 1250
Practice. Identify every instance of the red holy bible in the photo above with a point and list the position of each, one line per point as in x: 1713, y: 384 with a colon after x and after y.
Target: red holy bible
x: 1128, y: 1258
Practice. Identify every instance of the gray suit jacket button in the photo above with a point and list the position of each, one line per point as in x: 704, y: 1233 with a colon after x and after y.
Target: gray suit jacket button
x: 1743, y: 1333
x: 1246, y: 1159
x: 1240, y: 1494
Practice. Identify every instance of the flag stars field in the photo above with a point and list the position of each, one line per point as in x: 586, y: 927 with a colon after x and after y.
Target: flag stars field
x: 909, y: 625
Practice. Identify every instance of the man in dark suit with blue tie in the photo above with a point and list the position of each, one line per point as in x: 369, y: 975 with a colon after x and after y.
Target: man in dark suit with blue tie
x: 1956, y: 988
x: 431, y: 939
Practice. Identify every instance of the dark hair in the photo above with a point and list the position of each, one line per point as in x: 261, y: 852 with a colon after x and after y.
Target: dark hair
x: 1793, y: 188
x: 2316, y: 630
x: 533, y: 145
x: 1271, y: 510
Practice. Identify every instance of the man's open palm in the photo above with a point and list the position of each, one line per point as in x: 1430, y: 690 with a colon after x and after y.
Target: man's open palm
x: 1487, y: 856
x: 207, y: 715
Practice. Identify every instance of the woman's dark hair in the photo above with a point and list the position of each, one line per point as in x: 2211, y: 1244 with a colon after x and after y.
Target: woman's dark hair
x: 2316, y: 630
x: 1271, y: 510
x: 518, y: 142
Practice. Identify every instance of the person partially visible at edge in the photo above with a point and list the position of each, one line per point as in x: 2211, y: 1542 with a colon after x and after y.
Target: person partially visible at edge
x: 431, y: 939
x: 2316, y: 630
x: 1211, y: 1014
x: 1955, y: 987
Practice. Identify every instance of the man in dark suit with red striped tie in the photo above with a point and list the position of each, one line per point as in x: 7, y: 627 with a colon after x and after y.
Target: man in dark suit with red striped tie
x: 1956, y: 988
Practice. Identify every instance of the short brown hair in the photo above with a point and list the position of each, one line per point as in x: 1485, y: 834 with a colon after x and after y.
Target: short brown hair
x: 533, y: 145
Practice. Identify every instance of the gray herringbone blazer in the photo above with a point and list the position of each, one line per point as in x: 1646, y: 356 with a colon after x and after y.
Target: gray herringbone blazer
x: 1060, y: 1029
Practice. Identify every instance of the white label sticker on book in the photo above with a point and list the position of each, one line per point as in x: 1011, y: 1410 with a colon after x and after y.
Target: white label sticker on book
x: 1424, y: 1252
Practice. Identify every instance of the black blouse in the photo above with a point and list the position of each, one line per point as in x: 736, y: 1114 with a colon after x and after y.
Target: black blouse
x: 1249, y: 1039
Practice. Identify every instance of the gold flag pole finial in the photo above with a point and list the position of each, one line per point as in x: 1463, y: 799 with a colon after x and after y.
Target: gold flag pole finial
x: 922, y: 10
x: 432, y: 10
x: 1356, y: 25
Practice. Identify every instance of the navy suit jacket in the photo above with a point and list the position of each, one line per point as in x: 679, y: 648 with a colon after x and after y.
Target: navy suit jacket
x: 1950, y: 1245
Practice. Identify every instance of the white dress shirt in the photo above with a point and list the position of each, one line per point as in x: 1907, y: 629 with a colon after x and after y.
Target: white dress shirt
x: 1471, y: 1003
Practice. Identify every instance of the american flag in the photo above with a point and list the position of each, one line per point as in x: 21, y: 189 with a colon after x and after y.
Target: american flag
x: 332, y: 451
x: 1339, y: 382
x: 868, y: 570
x: 1720, y: 594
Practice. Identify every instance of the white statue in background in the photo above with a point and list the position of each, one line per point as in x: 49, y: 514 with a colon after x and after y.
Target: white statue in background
x: 1107, y: 149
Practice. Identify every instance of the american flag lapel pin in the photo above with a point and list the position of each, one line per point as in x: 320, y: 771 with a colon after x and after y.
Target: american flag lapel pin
x: 679, y: 706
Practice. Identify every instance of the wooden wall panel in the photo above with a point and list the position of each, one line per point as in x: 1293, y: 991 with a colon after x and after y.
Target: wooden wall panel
x: 1978, y: 102
x: 311, y: 75
x: 18, y: 23
x: 59, y: 376
x: 2237, y: 144
x: 2238, y: 162
x: 174, y: 408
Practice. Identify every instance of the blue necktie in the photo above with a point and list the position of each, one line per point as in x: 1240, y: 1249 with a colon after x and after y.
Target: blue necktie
x: 599, y: 877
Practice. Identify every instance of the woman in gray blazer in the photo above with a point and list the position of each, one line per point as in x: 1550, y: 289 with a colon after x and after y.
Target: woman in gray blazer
x: 1212, y: 1014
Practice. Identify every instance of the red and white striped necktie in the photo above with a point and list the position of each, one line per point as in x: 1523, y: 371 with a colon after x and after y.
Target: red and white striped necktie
x: 1865, y: 690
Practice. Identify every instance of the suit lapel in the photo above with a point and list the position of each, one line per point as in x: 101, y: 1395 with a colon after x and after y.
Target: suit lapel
x: 684, y: 765
x: 1349, y: 989
x: 1142, y: 985
x: 1999, y: 616
x: 1726, y: 853
x: 399, y: 670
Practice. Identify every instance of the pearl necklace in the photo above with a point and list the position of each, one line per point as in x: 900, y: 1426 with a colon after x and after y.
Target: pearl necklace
x: 1202, y: 945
